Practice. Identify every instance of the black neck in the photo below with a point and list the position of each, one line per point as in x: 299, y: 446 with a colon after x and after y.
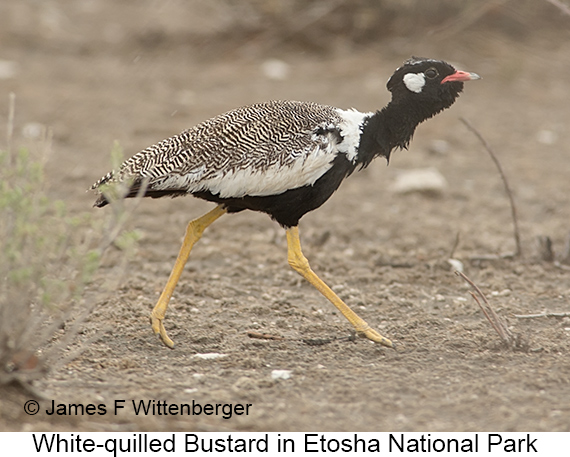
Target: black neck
x: 392, y: 127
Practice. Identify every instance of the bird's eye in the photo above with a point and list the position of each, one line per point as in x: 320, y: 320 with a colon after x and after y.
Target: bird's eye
x: 431, y: 73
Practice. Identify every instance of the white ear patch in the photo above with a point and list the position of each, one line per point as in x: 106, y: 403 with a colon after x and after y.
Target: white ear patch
x: 415, y: 82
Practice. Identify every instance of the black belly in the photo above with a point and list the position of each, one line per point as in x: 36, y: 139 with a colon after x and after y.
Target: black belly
x: 287, y: 208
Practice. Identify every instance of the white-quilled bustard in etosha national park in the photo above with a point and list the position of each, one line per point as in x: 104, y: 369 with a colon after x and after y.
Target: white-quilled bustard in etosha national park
x: 283, y: 158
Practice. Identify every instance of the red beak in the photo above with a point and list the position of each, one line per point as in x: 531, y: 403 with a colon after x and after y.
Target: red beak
x: 461, y: 76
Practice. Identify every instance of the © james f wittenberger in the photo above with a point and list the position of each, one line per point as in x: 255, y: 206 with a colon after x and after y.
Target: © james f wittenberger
x: 150, y: 408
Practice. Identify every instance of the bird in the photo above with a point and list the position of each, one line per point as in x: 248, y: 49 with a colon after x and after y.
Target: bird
x: 283, y: 158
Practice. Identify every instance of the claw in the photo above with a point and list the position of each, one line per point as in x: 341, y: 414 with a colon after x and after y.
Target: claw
x: 194, y: 231
x: 158, y: 329
x: 300, y: 264
x: 373, y: 335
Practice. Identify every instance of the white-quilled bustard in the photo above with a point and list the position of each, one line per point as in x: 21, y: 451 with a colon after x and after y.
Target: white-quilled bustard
x: 283, y: 158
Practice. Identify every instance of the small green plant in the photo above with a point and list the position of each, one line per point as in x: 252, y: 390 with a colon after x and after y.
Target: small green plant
x: 47, y: 257
x: 45, y: 263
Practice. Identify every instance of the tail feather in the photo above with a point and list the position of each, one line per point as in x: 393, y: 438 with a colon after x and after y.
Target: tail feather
x: 134, y: 191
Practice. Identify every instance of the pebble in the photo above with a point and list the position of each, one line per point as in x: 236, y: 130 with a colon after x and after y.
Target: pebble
x: 423, y: 180
x: 8, y: 69
x: 547, y: 137
x: 280, y: 374
x: 210, y: 356
x: 439, y: 147
x: 457, y: 265
x: 502, y: 293
x: 33, y: 130
x: 275, y: 69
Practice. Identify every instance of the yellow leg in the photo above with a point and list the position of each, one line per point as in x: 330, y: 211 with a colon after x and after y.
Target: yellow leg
x: 301, y: 265
x: 193, y: 233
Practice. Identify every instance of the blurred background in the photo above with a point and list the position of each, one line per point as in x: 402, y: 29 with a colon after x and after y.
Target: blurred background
x: 93, y: 71
x: 88, y: 73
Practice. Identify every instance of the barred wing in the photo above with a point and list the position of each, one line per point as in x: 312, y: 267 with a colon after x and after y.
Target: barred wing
x: 258, y: 150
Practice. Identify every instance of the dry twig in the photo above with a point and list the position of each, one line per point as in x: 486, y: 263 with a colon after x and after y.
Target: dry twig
x: 518, y: 250
x: 534, y: 316
x: 494, y: 319
x: 566, y: 255
x: 309, y: 341
x: 545, y: 251
x: 479, y: 257
x: 10, y: 126
x: 455, y: 244
x: 562, y: 266
x: 263, y: 336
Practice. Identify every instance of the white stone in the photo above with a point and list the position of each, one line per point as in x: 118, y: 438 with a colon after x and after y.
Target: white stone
x: 33, y: 130
x: 547, y: 137
x: 210, y: 356
x: 275, y: 69
x: 439, y: 147
x: 456, y: 264
x: 8, y: 69
x: 428, y: 180
x: 280, y: 374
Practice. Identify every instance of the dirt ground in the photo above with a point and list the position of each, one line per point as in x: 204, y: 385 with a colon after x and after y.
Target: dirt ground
x: 102, y: 71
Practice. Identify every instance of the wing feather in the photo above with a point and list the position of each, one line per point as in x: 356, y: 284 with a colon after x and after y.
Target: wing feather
x: 258, y: 150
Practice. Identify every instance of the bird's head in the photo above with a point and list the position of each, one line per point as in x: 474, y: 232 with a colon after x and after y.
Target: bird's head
x: 427, y: 85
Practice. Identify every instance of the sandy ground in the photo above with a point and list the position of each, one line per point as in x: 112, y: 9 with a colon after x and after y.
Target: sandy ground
x: 98, y: 75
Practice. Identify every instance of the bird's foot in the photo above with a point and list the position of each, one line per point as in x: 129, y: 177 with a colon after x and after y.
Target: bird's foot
x: 158, y: 329
x: 371, y: 334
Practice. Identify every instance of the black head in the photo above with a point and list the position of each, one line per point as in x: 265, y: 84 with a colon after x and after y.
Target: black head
x: 427, y: 86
